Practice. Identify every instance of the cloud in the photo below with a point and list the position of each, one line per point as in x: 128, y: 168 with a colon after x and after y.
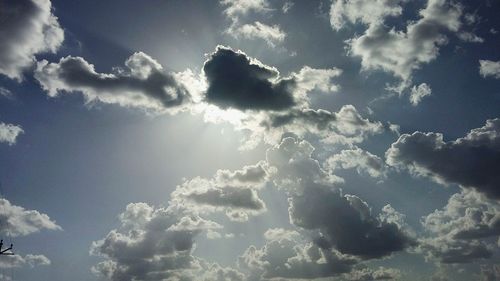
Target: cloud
x: 471, y: 161
x: 459, y: 232
x: 239, y: 82
x: 142, y: 83
x: 341, y: 222
x: 402, y: 52
x: 363, y: 161
x: 233, y: 192
x: 418, y: 93
x: 17, y: 221
x: 20, y: 261
x: 287, y: 255
x: 346, y: 126
x: 235, y: 10
x: 367, y: 274
x: 489, y: 68
x: 28, y: 28
x: 272, y: 34
x: 345, y: 222
x: 363, y: 11
x: 155, y: 244
x: 6, y: 93
x: 490, y: 273
x: 9, y: 133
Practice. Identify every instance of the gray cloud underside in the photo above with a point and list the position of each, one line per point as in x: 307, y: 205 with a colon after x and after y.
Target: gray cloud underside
x: 471, y: 161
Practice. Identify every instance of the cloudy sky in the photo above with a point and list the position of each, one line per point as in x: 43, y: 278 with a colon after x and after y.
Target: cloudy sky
x: 250, y: 140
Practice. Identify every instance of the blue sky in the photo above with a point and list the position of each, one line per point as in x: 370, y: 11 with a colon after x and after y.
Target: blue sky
x: 250, y: 140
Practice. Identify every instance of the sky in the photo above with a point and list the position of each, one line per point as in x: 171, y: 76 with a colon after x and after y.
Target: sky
x: 247, y: 140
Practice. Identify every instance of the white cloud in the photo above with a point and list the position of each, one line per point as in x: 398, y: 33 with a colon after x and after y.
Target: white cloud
x: 489, y: 68
x: 363, y: 161
x: 363, y: 11
x: 9, y: 133
x: 418, y: 93
x: 272, y: 34
x: 401, y: 52
x: 17, y: 221
x: 20, y: 261
x: 28, y: 28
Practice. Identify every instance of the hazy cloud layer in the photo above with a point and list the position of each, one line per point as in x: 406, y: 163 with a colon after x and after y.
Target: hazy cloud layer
x: 471, y: 161
x: 9, y: 133
x: 28, y: 28
x: 17, y: 221
x: 142, y: 83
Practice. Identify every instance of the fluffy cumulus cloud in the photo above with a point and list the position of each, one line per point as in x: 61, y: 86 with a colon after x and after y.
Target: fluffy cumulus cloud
x: 489, y: 68
x: 399, y: 52
x: 238, y: 81
x: 363, y: 161
x: 461, y: 232
x: 471, y: 161
x: 287, y: 255
x: 232, y: 192
x: 241, y: 82
x: 142, y: 83
x: 341, y: 222
x: 9, y: 133
x: 156, y: 244
x: 28, y: 28
x: 17, y: 221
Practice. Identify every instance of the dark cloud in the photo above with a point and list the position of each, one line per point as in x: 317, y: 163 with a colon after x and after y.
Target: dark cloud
x: 27, y: 28
x: 472, y: 161
x: 345, y: 223
x: 142, y: 83
x: 236, y: 81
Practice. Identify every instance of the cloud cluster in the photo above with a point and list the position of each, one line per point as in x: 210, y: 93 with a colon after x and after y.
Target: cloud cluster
x: 142, y: 83
x: 156, y: 244
x: 489, y: 68
x: 471, y: 161
x: 287, y: 255
x: 28, y: 28
x: 459, y: 232
x: 418, y: 93
x: 342, y: 222
x: 367, y: 274
x: 232, y: 192
x: 9, y: 133
x: 17, y: 221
